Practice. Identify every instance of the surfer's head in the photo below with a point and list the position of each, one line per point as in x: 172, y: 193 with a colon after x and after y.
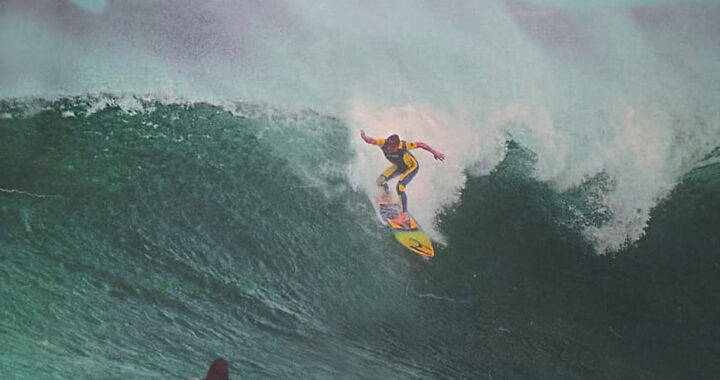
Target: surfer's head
x: 218, y: 370
x: 392, y: 143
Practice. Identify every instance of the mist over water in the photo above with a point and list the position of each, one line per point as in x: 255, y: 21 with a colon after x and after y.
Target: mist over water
x: 591, y: 91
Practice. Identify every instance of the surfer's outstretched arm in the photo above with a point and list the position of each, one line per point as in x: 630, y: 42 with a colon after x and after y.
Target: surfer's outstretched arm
x: 367, y: 138
x: 435, y: 153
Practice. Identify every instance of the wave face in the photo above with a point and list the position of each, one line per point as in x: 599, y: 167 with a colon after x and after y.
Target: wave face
x: 193, y: 172
x: 624, y: 93
x: 142, y: 239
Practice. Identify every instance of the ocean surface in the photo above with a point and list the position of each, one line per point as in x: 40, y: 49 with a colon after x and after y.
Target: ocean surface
x: 183, y: 181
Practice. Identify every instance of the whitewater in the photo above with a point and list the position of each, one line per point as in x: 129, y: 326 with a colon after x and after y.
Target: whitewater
x: 201, y: 138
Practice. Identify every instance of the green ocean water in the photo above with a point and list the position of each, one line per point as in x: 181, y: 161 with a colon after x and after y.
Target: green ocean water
x: 184, y: 180
x: 142, y: 243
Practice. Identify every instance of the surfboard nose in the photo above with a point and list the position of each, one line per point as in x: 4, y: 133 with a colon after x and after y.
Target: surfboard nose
x: 416, y: 241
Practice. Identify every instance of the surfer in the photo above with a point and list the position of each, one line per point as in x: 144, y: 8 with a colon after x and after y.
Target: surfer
x: 404, y: 165
x: 219, y: 370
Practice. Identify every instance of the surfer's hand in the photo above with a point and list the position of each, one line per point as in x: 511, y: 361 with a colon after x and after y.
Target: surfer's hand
x: 364, y: 136
x: 439, y: 156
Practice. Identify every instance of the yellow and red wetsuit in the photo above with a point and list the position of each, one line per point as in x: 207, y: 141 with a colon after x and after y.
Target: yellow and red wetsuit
x: 404, y: 165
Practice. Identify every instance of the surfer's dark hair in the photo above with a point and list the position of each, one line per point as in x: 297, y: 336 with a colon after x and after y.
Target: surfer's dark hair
x: 393, y: 139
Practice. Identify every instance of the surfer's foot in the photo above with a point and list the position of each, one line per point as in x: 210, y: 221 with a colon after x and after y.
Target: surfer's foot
x: 401, y: 219
x: 383, y: 198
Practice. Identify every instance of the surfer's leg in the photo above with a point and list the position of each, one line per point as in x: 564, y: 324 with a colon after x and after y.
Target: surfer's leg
x: 405, y: 178
x: 381, y: 181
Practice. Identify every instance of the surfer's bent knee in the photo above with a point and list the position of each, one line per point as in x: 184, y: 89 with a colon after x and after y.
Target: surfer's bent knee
x: 409, y: 174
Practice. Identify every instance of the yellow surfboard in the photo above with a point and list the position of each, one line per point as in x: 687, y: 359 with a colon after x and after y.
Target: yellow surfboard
x: 409, y: 235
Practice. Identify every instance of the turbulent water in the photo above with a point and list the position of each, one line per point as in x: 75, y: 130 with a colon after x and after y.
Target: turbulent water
x: 181, y: 181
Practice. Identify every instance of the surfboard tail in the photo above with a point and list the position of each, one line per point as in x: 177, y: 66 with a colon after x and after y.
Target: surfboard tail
x: 408, y: 234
